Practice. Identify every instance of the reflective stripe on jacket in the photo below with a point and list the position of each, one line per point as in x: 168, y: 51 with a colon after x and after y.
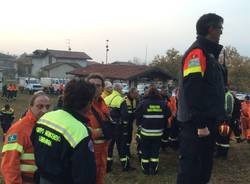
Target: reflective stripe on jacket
x: 18, y: 164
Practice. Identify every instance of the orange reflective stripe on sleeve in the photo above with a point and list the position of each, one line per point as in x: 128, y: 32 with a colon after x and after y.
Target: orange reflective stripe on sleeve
x: 195, y: 62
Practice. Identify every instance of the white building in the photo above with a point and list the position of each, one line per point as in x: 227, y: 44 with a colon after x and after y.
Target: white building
x: 55, y: 63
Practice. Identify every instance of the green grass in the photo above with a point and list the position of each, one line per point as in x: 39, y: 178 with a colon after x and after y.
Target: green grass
x: 235, y: 170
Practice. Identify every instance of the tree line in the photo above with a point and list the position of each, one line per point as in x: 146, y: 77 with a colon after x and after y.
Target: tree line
x: 238, y: 66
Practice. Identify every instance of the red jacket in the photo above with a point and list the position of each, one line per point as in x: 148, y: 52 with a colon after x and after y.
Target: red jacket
x: 100, y: 145
x: 18, y: 163
x: 172, y: 106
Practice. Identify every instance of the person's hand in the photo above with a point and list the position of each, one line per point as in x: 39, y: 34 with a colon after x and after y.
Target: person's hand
x: 203, y: 132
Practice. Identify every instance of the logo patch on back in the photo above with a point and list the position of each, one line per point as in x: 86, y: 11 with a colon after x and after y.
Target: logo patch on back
x: 12, y: 138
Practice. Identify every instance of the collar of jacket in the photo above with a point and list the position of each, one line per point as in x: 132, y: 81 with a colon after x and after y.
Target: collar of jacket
x: 98, y: 100
x: 116, y: 93
x: 30, y: 116
x: 76, y: 115
x: 209, y: 46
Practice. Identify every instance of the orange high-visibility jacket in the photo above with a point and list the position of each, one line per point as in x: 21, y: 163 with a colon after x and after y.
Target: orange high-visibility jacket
x: 9, y: 88
x: 100, y: 144
x: 172, y: 105
x: 18, y: 163
x: 245, y: 119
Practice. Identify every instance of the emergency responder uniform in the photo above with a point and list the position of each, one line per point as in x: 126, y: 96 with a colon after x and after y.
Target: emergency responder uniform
x: 245, y: 119
x: 63, y: 149
x: 166, y: 132
x: 100, y: 143
x: 152, y: 114
x: 173, y: 123
x: 14, y: 89
x: 18, y: 164
x: 223, y: 130
x: 201, y: 100
x: 6, y: 118
x: 138, y: 134
x: 236, y: 119
x: 9, y: 92
x: 131, y: 104
x: 119, y: 114
x: 105, y: 93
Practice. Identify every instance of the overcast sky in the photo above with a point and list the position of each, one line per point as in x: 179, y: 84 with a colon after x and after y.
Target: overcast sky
x: 131, y: 26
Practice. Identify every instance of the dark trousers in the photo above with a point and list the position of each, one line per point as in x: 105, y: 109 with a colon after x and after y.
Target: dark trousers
x: 222, y: 145
x: 223, y: 142
x: 120, y: 140
x: 150, y: 147
x: 165, y: 138
x: 129, y: 130
x: 174, y: 134
x: 196, y: 155
x: 138, y: 142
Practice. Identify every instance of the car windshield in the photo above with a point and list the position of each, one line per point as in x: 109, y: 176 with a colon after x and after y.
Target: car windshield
x: 33, y: 81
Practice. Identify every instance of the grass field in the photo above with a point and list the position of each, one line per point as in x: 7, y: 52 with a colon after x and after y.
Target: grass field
x: 235, y: 170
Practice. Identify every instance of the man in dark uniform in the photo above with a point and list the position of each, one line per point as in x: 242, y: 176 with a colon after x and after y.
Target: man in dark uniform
x: 119, y: 114
x: 151, y: 114
x: 62, y: 144
x: 201, y: 101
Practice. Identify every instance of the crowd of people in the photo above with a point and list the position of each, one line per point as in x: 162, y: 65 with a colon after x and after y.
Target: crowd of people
x: 74, y: 142
x: 9, y: 91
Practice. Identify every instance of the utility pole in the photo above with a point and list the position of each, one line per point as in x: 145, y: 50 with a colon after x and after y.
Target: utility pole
x: 107, y: 49
x: 68, y: 44
x: 146, y: 54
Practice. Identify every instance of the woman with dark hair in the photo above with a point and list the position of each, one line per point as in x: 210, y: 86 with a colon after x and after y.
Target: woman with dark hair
x: 151, y: 114
x: 62, y: 145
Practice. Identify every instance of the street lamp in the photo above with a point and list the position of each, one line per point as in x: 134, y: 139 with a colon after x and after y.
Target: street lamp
x: 107, y: 49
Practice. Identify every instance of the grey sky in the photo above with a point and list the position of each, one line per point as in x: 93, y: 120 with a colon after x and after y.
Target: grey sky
x: 130, y: 25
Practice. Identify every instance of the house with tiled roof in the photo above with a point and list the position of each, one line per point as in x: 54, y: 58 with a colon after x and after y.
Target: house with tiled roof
x: 130, y: 73
x: 58, y: 70
x: 55, y: 63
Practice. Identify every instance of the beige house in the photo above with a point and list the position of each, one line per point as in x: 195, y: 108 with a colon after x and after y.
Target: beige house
x: 55, y: 63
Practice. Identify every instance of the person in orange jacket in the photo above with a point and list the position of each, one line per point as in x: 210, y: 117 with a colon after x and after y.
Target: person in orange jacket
x: 18, y: 164
x: 245, y: 118
x: 100, y: 109
x: 173, y: 123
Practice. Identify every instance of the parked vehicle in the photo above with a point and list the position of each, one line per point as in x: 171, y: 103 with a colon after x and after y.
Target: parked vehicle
x: 30, y: 84
x: 240, y: 95
x: 125, y: 90
x: 53, y: 85
x: 141, y: 88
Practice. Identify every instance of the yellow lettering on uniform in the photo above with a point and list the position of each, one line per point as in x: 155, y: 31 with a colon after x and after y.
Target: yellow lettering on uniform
x: 52, y: 136
x: 154, y: 108
x: 44, y: 141
x: 39, y: 130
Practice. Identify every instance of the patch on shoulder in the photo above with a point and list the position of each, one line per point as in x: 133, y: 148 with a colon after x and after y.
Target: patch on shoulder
x: 12, y: 138
x: 91, y: 146
x: 194, y: 62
